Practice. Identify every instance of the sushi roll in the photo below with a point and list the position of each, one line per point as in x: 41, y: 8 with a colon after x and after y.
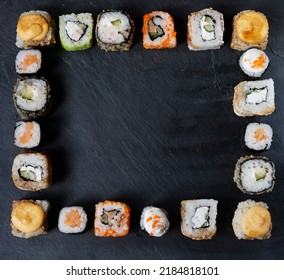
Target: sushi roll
x: 254, y: 98
x: 32, y: 98
x: 205, y: 30
x: 32, y: 171
x: 114, y: 30
x: 27, y: 134
x: 29, y: 218
x: 112, y: 219
x: 252, y: 220
x: 28, y: 61
x: 254, y: 62
x: 76, y: 31
x: 158, y: 31
x: 258, y: 136
x: 35, y: 29
x: 254, y: 175
x: 198, y: 218
x: 250, y: 30
x: 72, y: 219
x: 154, y: 221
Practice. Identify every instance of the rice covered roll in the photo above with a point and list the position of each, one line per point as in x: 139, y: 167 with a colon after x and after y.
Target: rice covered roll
x: 252, y: 220
x: 254, y: 175
x: 254, y: 98
x: 27, y: 134
x: 112, y: 219
x: 205, y: 30
x: 29, y: 218
x: 258, y: 136
x: 254, y: 62
x: 198, y: 218
x: 158, y: 31
x: 76, y: 31
x: 32, y: 171
x: 32, y: 98
x: 250, y: 30
x: 72, y: 219
x: 154, y: 221
x: 35, y: 29
x: 28, y: 61
x: 114, y: 30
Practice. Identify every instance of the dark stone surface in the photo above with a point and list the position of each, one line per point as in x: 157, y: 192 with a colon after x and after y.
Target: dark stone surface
x: 145, y: 127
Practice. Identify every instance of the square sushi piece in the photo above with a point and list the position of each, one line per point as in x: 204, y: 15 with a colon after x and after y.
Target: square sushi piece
x: 72, y: 219
x: 254, y: 98
x: 76, y: 31
x: 29, y: 218
x: 114, y: 30
x: 35, y: 29
x: 198, y: 218
x: 27, y: 134
x: 205, y: 30
x: 252, y: 220
x: 31, y: 171
x: 28, y: 61
x: 258, y: 136
x: 112, y: 219
x: 158, y: 31
x: 250, y: 30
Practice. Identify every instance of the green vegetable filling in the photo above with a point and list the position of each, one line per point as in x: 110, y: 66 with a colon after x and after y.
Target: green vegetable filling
x: 116, y: 23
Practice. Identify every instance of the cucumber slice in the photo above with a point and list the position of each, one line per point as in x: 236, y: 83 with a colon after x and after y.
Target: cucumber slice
x: 209, y: 20
x: 28, y: 175
x: 104, y: 219
x: 260, y: 174
x: 27, y: 93
x: 209, y: 28
x: 116, y: 23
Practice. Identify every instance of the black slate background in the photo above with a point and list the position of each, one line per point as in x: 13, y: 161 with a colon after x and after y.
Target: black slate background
x: 147, y: 127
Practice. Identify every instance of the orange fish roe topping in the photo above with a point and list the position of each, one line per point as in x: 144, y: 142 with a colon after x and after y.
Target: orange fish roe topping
x: 260, y: 135
x: 28, y: 61
x: 259, y: 62
x: 73, y: 219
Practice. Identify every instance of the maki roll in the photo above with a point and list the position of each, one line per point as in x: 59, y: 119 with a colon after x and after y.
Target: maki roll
x: 112, y: 219
x: 27, y: 134
x: 31, y: 171
x: 252, y: 220
x: 258, y: 136
x: 35, y: 29
x: 72, y: 219
x: 254, y: 98
x: 29, y: 218
x: 28, y: 61
x: 250, y: 30
x: 158, y: 31
x: 154, y: 221
x: 205, y: 30
x: 254, y: 62
x: 254, y: 175
x: 198, y: 218
x: 76, y: 31
x: 32, y: 98
x: 114, y: 30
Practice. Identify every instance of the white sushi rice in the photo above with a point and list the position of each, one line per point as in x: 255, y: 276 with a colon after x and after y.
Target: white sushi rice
x: 64, y: 227
x: 241, y: 210
x: 248, y: 59
x: 21, y: 129
x: 250, y: 136
x: 37, y: 88
x: 20, y: 59
x: 148, y: 219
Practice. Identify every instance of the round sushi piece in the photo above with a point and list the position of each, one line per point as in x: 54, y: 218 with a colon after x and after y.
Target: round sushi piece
x: 154, y: 220
x: 252, y: 220
x: 28, y: 61
x: 32, y: 171
x: 254, y: 175
x: 72, y: 219
x: 32, y: 98
x: 27, y: 134
x: 254, y: 62
x: 35, y: 29
x: 258, y: 136
x: 114, y: 30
